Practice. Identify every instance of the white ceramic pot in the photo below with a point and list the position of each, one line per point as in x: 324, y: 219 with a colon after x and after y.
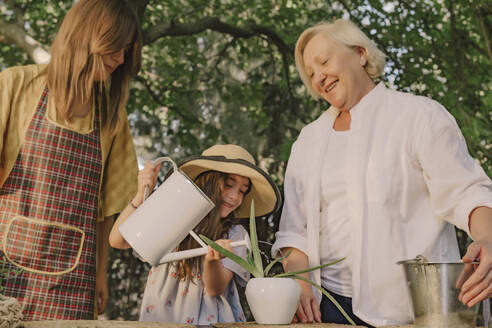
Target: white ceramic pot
x: 273, y: 300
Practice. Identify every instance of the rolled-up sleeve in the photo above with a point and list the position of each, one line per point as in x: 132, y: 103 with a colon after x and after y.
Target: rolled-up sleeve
x: 292, y: 230
x: 456, y: 182
x: 6, y: 85
x: 119, y: 183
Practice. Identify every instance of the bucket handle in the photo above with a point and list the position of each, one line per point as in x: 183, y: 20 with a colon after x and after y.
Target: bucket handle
x: 157, y: 162
x: 486, y: 312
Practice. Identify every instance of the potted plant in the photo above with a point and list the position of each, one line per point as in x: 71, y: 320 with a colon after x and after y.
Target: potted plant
x: 272, y: 299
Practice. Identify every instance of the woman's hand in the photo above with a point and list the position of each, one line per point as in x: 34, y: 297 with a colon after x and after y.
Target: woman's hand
x: 147, y: 177
x: 478, y: 286
x: 213, y: 255
x: 308, y: 310
x: 101, y: 292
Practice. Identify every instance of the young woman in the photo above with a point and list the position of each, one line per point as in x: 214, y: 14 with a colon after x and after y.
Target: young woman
x: 66, y: 147
x: 202, y: 291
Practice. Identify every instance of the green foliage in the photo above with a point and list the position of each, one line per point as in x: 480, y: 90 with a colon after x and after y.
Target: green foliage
x: 237, y: 82
x: 255, y: 249
x: 126, y: 282
x: 7, y: 270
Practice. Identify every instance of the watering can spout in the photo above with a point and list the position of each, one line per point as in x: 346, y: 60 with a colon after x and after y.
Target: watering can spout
x: 183, y: 255
x: 186, y: 254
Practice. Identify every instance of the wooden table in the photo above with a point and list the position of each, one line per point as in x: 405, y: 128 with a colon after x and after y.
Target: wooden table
x: 295, y: 325
x: 137, y: 324
x: 99, y: 324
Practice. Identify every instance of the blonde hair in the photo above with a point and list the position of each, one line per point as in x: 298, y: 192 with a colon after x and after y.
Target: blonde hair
x: 90, y: 30
x: 346, y: 33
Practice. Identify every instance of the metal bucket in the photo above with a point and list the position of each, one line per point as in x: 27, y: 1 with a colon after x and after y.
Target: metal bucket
x: 434, y: 288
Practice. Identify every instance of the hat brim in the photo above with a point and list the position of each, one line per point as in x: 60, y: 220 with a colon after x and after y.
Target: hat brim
x: 263, y: 189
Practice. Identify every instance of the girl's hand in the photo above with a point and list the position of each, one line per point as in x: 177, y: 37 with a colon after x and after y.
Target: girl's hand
x: 216, y: 277
x: 146, y: 177
x: 213, y: 255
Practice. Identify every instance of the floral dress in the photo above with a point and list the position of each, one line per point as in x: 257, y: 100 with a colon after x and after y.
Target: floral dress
x: 170, y: 299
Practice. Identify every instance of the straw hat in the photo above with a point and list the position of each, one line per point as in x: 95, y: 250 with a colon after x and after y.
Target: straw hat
x: 236, y: 160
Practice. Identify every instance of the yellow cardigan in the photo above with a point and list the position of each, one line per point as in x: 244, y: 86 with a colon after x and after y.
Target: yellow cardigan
x: 18, y: 102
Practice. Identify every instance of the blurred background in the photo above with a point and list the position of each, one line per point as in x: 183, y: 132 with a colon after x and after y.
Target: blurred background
x: 222, y: 71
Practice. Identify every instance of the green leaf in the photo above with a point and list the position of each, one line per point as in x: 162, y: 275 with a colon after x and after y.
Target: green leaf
x: 249, y: 257
x: 328, y: 295
x: 292, y: 273
x: 252, y: 269
x: 254, y: 239
x: 278, y: 259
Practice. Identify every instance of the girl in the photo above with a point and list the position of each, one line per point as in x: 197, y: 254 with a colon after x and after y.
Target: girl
x: 202, y: 291
x: 66, y: 147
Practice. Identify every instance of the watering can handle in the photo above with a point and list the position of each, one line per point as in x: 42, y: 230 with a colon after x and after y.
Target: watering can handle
x: 183, y: 255
x: 157, y: 162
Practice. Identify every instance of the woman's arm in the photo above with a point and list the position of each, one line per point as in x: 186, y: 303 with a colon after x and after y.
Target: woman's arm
x: 481, y: 223
x: 215, y: 276
x: 102, y: 293
x: 146, y: 177
x: 479, y: 286
x: 308, y: 309
x: 456, y: 182
x: 461, y: 193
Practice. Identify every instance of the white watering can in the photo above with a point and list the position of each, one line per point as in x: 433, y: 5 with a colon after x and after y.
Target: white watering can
x: 164, y: 219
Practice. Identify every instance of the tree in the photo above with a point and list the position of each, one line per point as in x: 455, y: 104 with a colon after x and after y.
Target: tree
x: 222, y: 71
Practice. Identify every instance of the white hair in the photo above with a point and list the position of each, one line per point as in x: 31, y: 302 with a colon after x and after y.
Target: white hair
x: 346, y: 33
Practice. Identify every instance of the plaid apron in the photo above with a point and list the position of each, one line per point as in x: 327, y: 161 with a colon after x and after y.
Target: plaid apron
x: 48, y: 211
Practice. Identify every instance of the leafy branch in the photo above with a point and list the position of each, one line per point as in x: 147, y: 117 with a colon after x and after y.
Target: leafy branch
x: 5, y: 273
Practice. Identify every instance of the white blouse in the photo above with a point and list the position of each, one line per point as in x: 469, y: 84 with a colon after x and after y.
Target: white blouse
x: 409, y: 179
x: 335, y: 234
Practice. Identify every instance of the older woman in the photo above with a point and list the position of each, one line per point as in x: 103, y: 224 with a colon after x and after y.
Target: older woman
x: 381, y: 176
